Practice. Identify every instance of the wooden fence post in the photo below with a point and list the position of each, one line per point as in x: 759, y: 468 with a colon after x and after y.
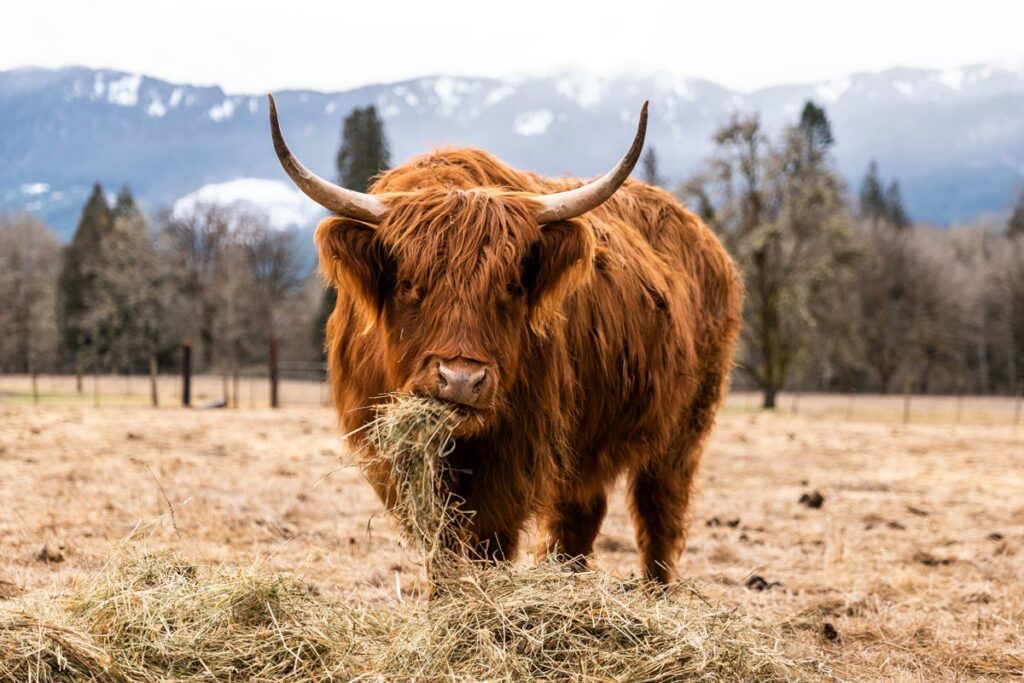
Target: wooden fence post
x: 273, y: 371
x: 78, y: 374
x: 153, y: 397
x: 186, y: 373
x: 906, y: 402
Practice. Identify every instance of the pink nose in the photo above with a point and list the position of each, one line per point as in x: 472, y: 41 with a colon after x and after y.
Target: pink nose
x: 463, y: 381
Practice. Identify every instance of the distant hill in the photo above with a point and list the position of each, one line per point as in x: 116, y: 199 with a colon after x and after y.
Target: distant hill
x: 955, y: 138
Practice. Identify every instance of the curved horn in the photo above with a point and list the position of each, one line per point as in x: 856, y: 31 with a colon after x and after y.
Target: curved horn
x: 358, y: 205
x: 571, y: 203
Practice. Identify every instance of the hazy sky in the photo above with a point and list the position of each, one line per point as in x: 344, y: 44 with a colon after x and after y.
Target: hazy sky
x: 259, y: 45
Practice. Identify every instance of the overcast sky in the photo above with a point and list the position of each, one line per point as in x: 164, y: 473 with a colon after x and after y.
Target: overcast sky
x: 261, y: 45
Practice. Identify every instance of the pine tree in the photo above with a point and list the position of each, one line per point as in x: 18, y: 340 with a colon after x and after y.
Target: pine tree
x: 1015, y: 226
x: 135, y: 280
x: 872, y: 196
x: 109, y: 312
x: 649, y: 168
x: 364, y: 149
x: 79, y: 314
x: 363, y: 154
x: 817, y: 130
x: 894, y: 211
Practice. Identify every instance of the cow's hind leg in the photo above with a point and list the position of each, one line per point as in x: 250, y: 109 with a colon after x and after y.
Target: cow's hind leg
x: 661, y: 488
x: 659, y: 498
x: 572, y: 526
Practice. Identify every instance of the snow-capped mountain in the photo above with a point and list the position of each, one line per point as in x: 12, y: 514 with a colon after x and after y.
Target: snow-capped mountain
x: 954, y: 138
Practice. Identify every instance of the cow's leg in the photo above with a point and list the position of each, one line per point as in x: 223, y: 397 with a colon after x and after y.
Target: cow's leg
x: 497, y: 541
x: 659, y: 498
x: 572, y: 526
x: 661, y: 488
x: 496, y: 524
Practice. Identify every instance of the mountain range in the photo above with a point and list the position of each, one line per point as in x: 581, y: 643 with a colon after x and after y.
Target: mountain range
x: 953, y: 138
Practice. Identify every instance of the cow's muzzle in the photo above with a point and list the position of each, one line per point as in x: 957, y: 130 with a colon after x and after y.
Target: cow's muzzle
x: 464, y: 381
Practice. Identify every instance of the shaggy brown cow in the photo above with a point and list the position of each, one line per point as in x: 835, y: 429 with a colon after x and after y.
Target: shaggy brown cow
x: 584, y: 332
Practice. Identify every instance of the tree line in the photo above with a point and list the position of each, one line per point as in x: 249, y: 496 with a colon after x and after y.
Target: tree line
x: 844, y: 292
x: 124, y: 293
x: 127, y: 293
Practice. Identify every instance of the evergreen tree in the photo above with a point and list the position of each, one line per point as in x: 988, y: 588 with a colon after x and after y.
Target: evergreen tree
x: 1015, y: 226
x: 894, y: 211
x: 80, y: 318
x: 880, y: 204
x: 109, y: 314
x: 817, y: 130
x: 872, y: 196
x: 364, y: 149
x: 649, y: 168
x: 136, y: 281
x: 363, y: 154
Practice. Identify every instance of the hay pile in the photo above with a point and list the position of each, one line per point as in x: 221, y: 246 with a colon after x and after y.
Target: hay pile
x: 159, y: 618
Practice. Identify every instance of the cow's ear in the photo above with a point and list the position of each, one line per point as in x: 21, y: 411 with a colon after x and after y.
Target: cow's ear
x: 559, y: 262
x: 353, y: 259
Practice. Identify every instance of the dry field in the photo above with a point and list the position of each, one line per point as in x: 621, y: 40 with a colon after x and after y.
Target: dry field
x: 911, y: 569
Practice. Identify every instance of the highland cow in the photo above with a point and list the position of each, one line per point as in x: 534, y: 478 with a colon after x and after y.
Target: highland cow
x: 583, y: 330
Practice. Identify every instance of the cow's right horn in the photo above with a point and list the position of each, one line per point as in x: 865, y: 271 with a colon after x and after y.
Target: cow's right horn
x: 358, y: 205
x: 571, y: 203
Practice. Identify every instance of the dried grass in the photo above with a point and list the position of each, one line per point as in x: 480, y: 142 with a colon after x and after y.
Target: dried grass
x: 414, y: 436
x: 159, y: 618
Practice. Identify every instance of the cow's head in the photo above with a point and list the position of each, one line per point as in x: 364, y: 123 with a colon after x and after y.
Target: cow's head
x: 458, y: 279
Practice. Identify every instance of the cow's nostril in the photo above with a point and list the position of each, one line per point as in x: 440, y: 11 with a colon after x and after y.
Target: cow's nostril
x: 478, y: 385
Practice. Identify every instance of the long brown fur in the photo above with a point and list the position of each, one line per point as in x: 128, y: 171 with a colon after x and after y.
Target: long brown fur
x: 610, y: 337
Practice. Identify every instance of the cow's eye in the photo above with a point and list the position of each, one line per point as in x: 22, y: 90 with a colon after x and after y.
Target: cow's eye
x: 514, y: 289
x: 407, y: 291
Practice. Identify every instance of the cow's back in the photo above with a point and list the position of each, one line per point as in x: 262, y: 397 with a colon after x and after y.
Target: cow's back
x: 653, y: 327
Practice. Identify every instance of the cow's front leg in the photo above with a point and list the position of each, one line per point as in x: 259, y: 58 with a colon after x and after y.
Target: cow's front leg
x: 496, y: 524
x: 572, y: 526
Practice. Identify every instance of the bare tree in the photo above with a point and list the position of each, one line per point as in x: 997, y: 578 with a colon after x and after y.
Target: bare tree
x: 195, y: 246
x: 777, y: 209
x: 276, y: 275
x: 29, y: 263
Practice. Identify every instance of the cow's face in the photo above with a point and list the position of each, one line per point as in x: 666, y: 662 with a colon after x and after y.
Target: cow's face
x: 456, y: 282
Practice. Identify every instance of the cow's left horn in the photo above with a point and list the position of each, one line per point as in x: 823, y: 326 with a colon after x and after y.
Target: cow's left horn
x: 358, y: 205
x: 571, y: 203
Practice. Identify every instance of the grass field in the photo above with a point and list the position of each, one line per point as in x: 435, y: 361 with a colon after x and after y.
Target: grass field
x: 912, y: 568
